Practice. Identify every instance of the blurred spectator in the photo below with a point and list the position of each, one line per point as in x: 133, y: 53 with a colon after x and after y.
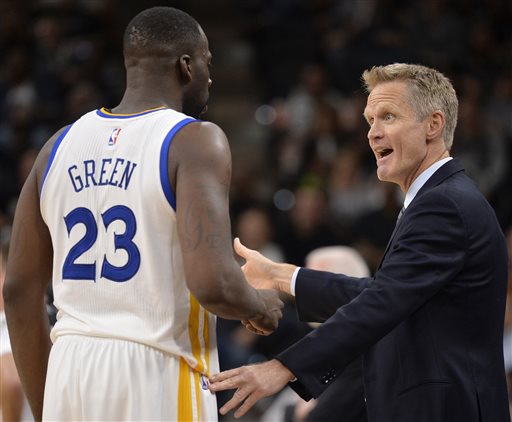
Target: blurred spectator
x: 312, y: 92
x: 352, y: 192
x: 19, y: 99
x: 499, y: 104
x: 338, y: 259
x: 435, y: 32
x: 254, y: 229
x: 305, y: 227
x: 82, y: 98
x: 480, y: 147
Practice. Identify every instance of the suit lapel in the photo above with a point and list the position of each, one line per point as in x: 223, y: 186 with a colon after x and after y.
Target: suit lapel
x: 445, y: 171
x: 390, y: 241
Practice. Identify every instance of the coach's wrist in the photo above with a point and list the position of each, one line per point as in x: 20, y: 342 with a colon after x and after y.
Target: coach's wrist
x: 283, y: 276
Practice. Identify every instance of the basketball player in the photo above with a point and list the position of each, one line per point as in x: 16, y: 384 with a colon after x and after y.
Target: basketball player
x: 126, y: 210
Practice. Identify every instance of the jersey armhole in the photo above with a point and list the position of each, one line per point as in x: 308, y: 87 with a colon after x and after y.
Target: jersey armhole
x: 52, y: 156
x: 164, y: 161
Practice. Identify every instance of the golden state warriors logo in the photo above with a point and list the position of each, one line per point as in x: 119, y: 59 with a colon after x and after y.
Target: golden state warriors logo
x: 113, y: 136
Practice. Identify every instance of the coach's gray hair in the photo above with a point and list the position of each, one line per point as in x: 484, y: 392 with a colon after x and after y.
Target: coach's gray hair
x: 429, y: 91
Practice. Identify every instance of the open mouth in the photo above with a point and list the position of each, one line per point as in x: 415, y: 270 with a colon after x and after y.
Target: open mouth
x: 384, y: 153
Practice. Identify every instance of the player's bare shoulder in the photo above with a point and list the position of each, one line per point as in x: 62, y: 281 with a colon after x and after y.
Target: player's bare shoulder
x: 203, y: 138
x: 200, y: 147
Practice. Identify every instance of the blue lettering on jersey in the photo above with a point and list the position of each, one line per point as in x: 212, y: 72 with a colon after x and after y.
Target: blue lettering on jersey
x: 114, y: 172
x: 90, y: 167
x: 104, y: 167
x: 101, y: 173
x: 127, y: 174
x: 78, y: 185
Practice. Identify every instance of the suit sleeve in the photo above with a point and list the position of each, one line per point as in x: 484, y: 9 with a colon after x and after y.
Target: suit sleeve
x: 319, y: 294
x: 427, y: 252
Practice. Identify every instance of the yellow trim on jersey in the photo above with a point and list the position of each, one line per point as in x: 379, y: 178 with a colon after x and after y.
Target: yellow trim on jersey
x: 193, y: 331
x: 206, y: 336
x: 106, y: 111
x: 185, y: 411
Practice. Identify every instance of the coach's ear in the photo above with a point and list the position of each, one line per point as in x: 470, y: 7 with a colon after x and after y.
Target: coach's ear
x: 184, y: 69
x: 436, y: 123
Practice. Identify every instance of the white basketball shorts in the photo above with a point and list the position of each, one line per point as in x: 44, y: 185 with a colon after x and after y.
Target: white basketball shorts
x: 99, y: 379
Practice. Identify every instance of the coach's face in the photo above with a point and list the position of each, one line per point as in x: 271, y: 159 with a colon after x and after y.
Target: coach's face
x: 396, y: 136
x: 196, y: 94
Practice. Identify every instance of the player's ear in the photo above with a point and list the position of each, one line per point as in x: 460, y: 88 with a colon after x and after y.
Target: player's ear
x: 184, y: 68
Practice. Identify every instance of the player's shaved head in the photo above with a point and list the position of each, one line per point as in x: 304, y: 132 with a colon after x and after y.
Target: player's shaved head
x: 160, y: 31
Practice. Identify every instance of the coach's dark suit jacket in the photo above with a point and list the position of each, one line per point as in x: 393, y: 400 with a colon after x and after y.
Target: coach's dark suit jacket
x: 430, y: 322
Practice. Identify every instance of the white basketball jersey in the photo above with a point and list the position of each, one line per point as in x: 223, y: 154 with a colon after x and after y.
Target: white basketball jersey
x: 110, y: 209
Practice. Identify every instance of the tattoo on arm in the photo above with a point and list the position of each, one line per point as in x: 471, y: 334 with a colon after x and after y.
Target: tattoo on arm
x: 215, y: 241
x: 193, y: 229
x: 204, y: 228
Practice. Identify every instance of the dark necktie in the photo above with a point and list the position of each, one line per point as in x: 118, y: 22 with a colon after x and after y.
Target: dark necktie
x: 399, y: 215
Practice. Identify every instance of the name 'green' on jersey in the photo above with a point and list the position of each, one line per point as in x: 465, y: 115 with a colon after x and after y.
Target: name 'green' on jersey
x: 117, y: 266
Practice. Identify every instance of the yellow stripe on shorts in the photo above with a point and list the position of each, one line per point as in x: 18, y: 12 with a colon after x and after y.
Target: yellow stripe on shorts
x: 198, y: 395
x: 185, y: 412
x: 188, y: 410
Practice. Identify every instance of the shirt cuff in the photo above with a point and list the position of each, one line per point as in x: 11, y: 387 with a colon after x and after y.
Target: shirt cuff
x: 294, y: 280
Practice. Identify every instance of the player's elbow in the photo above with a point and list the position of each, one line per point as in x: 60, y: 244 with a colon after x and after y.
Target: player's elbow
x: 212, y: 295
x: 11, y: 291
x: 223, y: 297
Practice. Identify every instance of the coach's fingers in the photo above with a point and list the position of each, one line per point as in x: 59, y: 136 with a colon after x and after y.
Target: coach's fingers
x: 248, y: 403
x: 225, y: 380
x: 240, y: 395
x: 241, y: 250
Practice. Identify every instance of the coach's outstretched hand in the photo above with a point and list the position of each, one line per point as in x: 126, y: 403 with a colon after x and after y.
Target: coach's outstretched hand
x: 263, y: 273
x: 252, y: 383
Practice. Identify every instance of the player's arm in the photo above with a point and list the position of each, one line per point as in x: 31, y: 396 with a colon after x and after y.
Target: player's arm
x: 200, y: 172
x: 29, y: 268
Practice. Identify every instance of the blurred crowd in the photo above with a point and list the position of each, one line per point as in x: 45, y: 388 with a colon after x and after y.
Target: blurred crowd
x: 319, y: 178
x: 314, y: 184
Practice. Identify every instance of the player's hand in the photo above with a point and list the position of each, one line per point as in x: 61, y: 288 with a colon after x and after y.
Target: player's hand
x: 252, y: 383
x: 263, y: 273
x: 269, y: 322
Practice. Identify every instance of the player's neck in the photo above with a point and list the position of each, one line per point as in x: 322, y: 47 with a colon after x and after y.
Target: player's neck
x: 134, y: 101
